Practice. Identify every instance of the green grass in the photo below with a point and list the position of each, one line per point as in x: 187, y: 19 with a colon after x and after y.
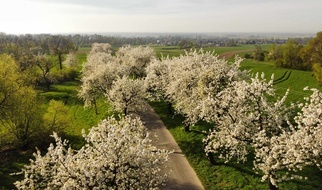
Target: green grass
x: 165, y: 51
x: 81, y: 55
x: 296, y: 81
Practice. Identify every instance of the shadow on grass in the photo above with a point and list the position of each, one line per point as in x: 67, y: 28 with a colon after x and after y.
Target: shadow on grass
x: 11, y: 161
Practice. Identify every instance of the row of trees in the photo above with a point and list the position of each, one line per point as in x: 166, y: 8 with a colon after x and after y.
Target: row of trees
x: 295, y: 55
x: 248, y: 118
x: 118, y: 153
x: 246, y: 114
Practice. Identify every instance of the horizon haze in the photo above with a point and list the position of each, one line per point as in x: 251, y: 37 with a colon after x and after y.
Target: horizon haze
x: 160, y: 16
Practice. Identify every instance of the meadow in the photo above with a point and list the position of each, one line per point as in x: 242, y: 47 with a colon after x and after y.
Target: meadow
x: 219, y: 176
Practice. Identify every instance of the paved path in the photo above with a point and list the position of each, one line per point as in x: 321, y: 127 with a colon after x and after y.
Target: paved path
x: 182, y: 176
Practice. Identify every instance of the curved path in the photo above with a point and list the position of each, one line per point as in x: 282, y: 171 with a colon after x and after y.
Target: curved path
x: 182, y: 175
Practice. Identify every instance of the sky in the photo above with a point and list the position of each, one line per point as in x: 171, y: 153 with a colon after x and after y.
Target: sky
x: 160, y: 16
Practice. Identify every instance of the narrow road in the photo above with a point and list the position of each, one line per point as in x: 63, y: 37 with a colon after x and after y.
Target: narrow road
x: 182, y: 175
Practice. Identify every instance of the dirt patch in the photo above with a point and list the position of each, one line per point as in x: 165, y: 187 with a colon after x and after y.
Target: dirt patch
x: 231, y: 54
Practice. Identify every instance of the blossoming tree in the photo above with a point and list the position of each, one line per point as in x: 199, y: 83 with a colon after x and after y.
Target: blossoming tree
x: 117, y: 155
x: 187, y: 80
x: 102, y: 71
x: 136, y: 59
x: 126, y: 94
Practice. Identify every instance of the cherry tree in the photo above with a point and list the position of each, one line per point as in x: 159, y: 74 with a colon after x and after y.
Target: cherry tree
x: 101, y: 47
x: 295, y: 148
x: 136, y: 59
x: 117, y: 155
x: 71, y: 60
x: 98, y: 74
x: 193, y: 77
x: 157, y: 81
x: 309, y: 128
x: 126, y: 94
x: 245, y: 120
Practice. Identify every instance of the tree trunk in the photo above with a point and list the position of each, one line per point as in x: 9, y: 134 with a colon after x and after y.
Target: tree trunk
x: 186, y: 128
x: 48, y: 84
x: 271, y: 186
x: 95, y: 107
x: 169, y: 105
x: 125, y: 111
x: 60, y: 59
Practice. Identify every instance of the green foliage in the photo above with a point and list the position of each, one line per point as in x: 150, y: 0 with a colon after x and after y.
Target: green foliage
x: 259, y: 54
x: 19, y: 105
x: 56, y: 118
x: 312, y: 54
x: 317, y: 70
x: 78, y: 118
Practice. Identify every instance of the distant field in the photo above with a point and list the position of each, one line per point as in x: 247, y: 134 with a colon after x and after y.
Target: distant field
x: 175, y: 51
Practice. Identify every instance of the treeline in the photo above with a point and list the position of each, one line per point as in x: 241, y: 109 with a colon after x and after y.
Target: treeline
x: 294, y: 55
x: 181, y: 40
x: 78, y: 40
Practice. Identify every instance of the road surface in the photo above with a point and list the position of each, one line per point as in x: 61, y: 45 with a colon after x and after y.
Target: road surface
x: 182, y: 176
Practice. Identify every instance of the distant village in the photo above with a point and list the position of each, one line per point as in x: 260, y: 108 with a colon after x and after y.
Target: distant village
x: 183, y: 40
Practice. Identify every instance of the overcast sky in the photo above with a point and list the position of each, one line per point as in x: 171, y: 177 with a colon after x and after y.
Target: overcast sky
x: 93, y: 16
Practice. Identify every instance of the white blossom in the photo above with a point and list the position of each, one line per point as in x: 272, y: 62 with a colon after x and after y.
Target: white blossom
x: 126, y: 94
x: 117, y: 155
